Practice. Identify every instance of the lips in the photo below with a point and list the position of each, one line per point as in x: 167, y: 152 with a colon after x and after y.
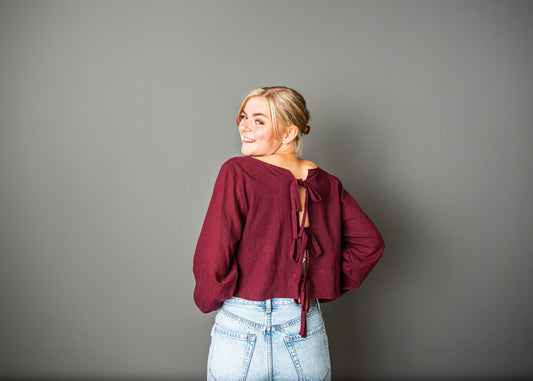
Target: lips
x: 247, y: 140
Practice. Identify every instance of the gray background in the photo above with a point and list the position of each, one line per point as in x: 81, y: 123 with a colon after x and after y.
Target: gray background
x: 116, y: 116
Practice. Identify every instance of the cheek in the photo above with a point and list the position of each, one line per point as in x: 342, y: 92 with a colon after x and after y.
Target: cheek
x: 269, y: 138
x: 263, y: 134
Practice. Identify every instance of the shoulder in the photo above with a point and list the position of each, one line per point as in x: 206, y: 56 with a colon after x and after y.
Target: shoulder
x: 234, y: 161
x: 236, y: 164
x: 231, y: 175
x: 307, y: 164
x: 326, y: 177
x: 238, y: 167
x: 330, y: 176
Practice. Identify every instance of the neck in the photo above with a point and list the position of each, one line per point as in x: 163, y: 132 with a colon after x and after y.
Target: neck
x: 285, y: 149
x: 280, y: 157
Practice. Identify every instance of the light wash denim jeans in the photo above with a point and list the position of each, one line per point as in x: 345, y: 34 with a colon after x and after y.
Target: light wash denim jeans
x: 260, y: 341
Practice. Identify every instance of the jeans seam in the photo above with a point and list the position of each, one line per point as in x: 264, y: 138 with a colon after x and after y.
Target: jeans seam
x: 260, y: 303
x: 295, y: 361
x: 247, y: 323
x: 242, y: 320
x: 250, y: 348
x: 293, y: 321
x: 249, y: 353
x: 289, y: 344
x: 327, y: 374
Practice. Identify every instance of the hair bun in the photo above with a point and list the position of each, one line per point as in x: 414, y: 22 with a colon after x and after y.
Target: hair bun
x: 306, y: 130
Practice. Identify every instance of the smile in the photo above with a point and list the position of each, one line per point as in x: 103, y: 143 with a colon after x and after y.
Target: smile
x: 247, y: 140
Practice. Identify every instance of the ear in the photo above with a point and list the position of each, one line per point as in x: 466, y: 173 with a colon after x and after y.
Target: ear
x: 290, y: 134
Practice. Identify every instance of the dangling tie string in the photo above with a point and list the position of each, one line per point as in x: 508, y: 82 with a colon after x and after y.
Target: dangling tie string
x: 303, y: 239
x: 304, y: 302
x: 312, y: 243
x: 301, y: 244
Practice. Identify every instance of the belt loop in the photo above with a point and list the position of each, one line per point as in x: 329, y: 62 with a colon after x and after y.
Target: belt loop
x: 269, y: 305
x: 318, y: 304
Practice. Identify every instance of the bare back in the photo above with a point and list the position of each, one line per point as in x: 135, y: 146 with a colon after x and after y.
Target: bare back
x: 299, y: 169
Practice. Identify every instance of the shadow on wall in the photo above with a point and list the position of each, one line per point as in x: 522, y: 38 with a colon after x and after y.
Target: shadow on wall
x: 358, y: 324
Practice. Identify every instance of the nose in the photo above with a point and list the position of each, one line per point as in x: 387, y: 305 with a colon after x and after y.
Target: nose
x: 245, y: 125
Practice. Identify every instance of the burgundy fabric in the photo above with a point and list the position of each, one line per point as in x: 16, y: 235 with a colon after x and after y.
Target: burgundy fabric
x: 251, y: 245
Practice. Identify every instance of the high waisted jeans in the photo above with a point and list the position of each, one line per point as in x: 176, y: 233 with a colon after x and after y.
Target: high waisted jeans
x: 260, y: 341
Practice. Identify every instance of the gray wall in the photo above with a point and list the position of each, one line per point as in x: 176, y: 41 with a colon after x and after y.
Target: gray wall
x: 116, y: 116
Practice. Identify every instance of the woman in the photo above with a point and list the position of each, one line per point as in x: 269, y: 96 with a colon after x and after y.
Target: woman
x: 280, y: 236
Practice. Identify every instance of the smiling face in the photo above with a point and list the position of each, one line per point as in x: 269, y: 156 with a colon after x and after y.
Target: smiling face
x: 255, y: 128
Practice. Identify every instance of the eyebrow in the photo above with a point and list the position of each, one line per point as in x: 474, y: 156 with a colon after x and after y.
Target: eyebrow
x: 256, y: 114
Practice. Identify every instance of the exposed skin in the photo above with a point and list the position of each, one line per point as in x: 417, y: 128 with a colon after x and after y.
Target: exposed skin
x: 258, y: 141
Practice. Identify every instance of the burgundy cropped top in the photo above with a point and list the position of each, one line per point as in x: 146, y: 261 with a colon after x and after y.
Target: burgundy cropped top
x: 252, y: 246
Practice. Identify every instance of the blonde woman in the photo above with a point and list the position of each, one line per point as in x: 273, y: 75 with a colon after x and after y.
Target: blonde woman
x: 280, y: 236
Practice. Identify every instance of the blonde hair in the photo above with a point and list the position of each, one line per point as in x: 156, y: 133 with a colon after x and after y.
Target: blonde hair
x: 287, y: 108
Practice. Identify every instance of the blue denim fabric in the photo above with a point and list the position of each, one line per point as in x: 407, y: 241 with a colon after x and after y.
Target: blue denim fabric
x: 260, y: 341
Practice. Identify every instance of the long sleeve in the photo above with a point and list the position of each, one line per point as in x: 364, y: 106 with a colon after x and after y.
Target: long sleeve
x: 214, y: 266
x: 362, y: 244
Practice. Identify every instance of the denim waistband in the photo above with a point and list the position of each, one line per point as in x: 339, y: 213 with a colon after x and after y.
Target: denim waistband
x: 271, y: 302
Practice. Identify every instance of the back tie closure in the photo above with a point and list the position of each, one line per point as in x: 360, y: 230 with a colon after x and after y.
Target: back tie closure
x: 303, y: 239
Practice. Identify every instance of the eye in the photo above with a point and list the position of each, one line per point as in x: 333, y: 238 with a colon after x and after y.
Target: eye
x: 243, y: 117
x: 258, y: 121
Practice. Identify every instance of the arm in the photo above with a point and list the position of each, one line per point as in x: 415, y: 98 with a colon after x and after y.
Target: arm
x: 362, y: 244
x: 214, y: 266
